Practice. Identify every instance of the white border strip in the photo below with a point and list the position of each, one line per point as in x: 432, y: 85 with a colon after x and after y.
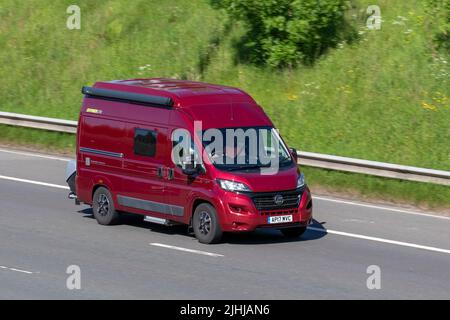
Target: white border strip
x: 398, y: 243
x: 314, y: 197
x: 186, y: 250
x: 35, y: 155
x: 17, y: 270
x: 372, y: 206
x: 51, y: 185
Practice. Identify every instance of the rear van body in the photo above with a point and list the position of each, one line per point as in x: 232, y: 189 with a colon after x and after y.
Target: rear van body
x: 124, y: 160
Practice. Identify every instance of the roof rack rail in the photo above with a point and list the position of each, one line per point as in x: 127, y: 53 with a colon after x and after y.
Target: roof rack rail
x: 128, y: 96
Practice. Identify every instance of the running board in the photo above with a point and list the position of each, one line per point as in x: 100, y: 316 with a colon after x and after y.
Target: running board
x: 163, y: 222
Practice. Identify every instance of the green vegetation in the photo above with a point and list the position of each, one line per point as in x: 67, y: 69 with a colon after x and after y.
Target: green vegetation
x: 43, y: 65
x: 286, y: 32
x: 363, y: 187
x: 384, y: 96
x: 37, y: 139
x: 440, y: 11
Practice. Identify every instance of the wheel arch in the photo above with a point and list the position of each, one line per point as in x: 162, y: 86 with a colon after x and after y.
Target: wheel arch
x: 195, y: 203
x: 96, y: 187
x: 101, y: 181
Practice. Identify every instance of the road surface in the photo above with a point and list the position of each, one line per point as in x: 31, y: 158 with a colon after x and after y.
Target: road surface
x: 42, y: 233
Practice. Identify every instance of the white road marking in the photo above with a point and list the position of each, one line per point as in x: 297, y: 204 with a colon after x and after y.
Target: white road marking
x: 51, y: 185
x: 366, y: 205
x: 17, y: 270
x: 35, y: 155
x: 359, y: 221
x: 186, y: 250
x: 352, y: 235
x: 398, y: 243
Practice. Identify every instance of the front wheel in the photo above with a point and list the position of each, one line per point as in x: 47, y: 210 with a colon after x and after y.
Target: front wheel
x: 294, y: 232
x: 206, y: 224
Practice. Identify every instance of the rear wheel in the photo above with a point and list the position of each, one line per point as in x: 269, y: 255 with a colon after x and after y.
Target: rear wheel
x: 206, y: 224
x: 293, y: 232
x: 103, y: 207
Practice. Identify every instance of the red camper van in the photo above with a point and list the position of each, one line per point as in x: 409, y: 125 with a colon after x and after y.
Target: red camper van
x: 128, y: 131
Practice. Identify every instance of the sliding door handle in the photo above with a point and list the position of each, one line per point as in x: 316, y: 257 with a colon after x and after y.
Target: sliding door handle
x: 160, y: 172
x: 170, y: 174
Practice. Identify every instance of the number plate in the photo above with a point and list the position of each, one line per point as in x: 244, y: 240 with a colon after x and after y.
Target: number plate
x: 279, y: 219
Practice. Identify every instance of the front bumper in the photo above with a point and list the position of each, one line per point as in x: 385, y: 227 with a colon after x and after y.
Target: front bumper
x: 239, y: 213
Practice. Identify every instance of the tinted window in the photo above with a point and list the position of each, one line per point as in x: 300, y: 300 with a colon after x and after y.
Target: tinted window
x: 145, y: 142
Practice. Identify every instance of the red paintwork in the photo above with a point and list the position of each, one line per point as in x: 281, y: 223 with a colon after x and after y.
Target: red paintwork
x: 136, y: 176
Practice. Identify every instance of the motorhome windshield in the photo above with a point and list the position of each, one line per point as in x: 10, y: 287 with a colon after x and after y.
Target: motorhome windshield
x: 245, y: 148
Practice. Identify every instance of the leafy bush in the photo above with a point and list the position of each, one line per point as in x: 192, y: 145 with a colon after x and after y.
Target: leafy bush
x: 439, y: 16
x: 286, y: 32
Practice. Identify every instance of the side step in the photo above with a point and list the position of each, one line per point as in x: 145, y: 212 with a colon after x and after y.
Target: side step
x: 163, y: 222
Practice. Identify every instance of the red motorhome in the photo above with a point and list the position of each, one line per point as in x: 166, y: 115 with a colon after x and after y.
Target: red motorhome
x: 125, y: 162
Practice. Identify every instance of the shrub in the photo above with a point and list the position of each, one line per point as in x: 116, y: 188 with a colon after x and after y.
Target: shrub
x: 439, y: 16
x: 287, y: 32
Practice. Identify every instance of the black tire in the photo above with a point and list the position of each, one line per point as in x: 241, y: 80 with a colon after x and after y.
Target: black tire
x: 71, y: 183
x: 293, y: 232
x: 206, y: 224
x: 103, y: 207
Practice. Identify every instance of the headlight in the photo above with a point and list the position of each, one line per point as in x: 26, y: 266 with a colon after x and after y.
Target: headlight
x: 301, y: 180
x: 233, y: 186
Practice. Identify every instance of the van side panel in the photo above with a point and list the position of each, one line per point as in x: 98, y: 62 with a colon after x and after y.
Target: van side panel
x: 100, y: 155
x: 143, y: 176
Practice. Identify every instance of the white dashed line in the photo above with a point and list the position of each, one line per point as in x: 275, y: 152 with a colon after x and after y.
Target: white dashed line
x: 398, y: 243
x: 329, y: 199
x: 366, y: 205
x: 50, y: 185
x: 17, y: 270
x: 351, y: 235
x: 35, y: 155
x: 186, y: 250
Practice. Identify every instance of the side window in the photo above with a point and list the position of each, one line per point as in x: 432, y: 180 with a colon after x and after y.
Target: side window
x: 178, y: 157
x: 145, y: 142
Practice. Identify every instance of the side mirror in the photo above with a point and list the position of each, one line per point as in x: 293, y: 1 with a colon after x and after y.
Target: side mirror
x: 189, y: 167
x: 294, y: 154
x: 190, y: 171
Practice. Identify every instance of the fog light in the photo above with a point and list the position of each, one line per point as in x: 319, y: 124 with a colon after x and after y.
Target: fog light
x: 237, y: 208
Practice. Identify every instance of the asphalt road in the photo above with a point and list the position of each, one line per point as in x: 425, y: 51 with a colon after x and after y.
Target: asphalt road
x: 42, y: 233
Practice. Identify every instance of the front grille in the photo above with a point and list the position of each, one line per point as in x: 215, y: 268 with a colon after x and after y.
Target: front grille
x: 278, y: 212
x: 265, y: 201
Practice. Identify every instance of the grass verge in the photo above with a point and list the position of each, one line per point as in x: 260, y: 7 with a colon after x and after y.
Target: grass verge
x: 361, y: 187
x: 36, y: 139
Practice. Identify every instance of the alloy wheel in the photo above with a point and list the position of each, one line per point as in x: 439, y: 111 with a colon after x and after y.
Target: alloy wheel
x: 205, y: 222
x: 103, y: 205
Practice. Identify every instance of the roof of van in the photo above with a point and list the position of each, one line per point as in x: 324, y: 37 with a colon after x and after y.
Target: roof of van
x: 215, y: 105
x: 182, y: 92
